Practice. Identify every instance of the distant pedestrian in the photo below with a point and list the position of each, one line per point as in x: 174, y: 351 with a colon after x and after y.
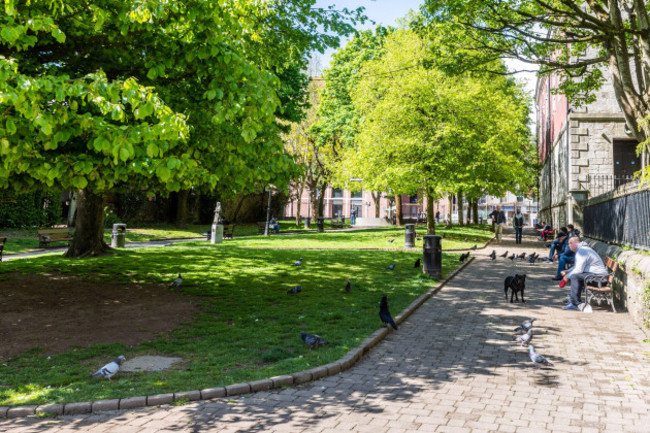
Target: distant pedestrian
x: 438, y: 216
x: 499, y: 223
x: 518, y: 223
x: 353, y: 216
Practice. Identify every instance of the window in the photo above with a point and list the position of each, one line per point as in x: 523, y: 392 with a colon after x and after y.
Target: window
x: 337, y: 193
x: 413, y: 199
x: 358, y: 194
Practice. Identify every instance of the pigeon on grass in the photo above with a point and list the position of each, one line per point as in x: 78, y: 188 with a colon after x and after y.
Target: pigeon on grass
x: 391, y: 241
x: 526, y: 338
x: 177, y: 282
x: 294, y: 290
x: 417, y: 263
x: 384, y: 314
x: 298, y: 262
x: 109, y: 369
x: 312, y: 340
x: 524, y: 327
x: 348, y: 286
x: 473, y: 248
x: 391, y: 267
x: 538, y: 359
x: 464, y: 257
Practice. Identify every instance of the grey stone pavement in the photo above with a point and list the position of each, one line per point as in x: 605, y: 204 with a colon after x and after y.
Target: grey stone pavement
x: 451, y: 367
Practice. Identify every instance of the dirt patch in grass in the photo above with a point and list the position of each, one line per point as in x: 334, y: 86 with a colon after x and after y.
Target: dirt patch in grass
x: 55, y: 312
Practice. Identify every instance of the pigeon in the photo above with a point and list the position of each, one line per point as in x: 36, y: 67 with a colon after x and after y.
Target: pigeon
x: 531, y: 259
x: 391, y: 240
x: 177, y: 282
x: 524, y: 327
x: 465, y: 239
x: 417, y: 263
x: 512, y: 257
x: 526, y: 338
x: 391, y: 267
x: 493, y: 256
x: 109, y: 369
x: 522, y: 256
x: 504, y: 254
x: 348, y: 286
x: 298, y: 263
x: 473, y: 248
x: 384, y: 314
x: 312, y: 340
x: 537, y: 358
x: 464, y: 257
x: 294, y: 290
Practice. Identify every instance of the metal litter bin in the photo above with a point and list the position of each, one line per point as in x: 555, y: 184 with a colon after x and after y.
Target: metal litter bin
x: 118, y: 236
x: 307, y: 222
x: 409, y: 236
x: 432, y: 256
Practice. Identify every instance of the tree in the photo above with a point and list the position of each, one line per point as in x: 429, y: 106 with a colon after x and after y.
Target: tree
x: 107, y: 96
x: 577, y: 39
x: 421, y: 130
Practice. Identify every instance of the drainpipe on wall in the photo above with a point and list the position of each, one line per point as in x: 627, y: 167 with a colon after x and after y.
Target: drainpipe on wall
x: 569, y: 216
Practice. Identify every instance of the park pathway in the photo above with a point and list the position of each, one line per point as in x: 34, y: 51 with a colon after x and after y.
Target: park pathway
x: 451, y: 367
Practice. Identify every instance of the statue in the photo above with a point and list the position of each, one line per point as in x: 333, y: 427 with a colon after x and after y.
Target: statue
x: 217, y: 214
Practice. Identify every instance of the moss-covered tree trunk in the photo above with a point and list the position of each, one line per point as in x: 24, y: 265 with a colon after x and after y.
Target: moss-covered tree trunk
x: 431, y: 221
x: 181, y: 208
x: 398, y: 209
x: 88, y: 237
x: 450, y: 210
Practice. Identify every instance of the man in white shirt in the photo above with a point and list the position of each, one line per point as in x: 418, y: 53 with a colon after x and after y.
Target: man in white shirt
x: 587, y: 262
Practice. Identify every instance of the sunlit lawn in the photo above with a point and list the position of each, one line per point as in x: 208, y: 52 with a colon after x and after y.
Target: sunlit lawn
x: 248, y: 327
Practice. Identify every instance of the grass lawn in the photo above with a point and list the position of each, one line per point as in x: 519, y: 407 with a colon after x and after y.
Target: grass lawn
x: 454, y: 238
x: 247, y: 328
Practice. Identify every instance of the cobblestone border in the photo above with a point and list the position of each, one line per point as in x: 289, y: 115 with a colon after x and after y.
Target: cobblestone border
x: 298, y: 378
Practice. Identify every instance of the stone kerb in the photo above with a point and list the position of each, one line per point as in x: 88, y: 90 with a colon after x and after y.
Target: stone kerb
x: 348, y: 360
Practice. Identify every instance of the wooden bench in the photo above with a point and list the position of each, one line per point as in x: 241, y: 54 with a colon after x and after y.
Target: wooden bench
x: 46, y: 236
x: 261, y: 225
x: 228, y: 230
x: 337, y: 223
x: 600, y: 287
x: 2, y: 246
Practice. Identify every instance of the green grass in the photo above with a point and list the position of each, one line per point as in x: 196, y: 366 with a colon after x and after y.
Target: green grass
x: 247, y: 328
x: 367, y: 238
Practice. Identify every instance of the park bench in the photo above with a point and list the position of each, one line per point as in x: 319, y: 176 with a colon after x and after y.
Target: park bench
x: 2, y: 246
x: 228, y: 230
x: 600, y: 287
x: 260, y: 227
x: 46, y: 236
x: 337, y: 223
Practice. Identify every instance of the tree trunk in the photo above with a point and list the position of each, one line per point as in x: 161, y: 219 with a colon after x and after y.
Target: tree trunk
x: 321, y: 200
x: 431, y: 221
x: 450, y: 210
x: 475, y: 206
x: 298, y: 205
x: 238, y: 207
x: 88, y: 237
x: 470, y: 208
x: 398, y: 210
x: 376, y: 196
x: 459, y: 202
x: 181, y: 208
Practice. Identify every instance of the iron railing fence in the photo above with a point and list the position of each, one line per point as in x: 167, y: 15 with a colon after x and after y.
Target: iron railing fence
x: 602, y: 184
x: 622, y: 220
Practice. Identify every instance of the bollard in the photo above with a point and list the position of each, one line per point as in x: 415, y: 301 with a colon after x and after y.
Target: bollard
x: 432, y: 256
x: 118, y: 236
x: 409, y: 236
x: 321, y: 224
x: 307, y: 222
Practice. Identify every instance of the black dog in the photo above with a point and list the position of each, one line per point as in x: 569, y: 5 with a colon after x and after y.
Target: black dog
x: 516, y: 284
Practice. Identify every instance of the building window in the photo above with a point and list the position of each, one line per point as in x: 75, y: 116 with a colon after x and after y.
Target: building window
x: 337, y: 193
x: 413, y: 199
x: 358, y: 194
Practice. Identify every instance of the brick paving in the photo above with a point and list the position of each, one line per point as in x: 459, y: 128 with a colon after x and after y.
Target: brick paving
x: 451, y: 367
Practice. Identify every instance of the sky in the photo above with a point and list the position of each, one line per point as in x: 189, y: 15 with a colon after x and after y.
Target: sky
x: 386, y: 12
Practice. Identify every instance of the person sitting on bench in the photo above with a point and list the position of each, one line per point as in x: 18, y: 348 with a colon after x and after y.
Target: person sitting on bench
x: 587, y: 262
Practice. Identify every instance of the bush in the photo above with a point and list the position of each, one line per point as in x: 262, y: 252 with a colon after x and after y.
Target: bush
x: 41, y: 209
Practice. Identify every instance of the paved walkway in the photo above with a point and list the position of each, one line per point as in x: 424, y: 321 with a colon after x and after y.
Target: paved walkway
x: 451, y: 367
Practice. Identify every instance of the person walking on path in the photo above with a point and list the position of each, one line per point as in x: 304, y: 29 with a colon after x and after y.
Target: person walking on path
x: 518, y: 223
x: 500, y: 222
x: 353, y: 216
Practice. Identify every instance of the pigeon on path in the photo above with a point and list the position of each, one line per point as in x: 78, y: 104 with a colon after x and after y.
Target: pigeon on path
x: 513, y: 257
x: 177, y: 282
x: 312, y: 340
x: 417, y: 263
x: 391, y: 267
x: 348, y: 286
x: 524, y: 327
x: 464, y: 257
x: 522, y: 256
x: 298, y: 262
x: 531, y: 259
x: 493, y: 256
x: 294, y: 290
x: 526, y: 338
x: 504, y: 255
x: 473, y: 248
x: 537, y: 358
x: 384, y: 314
x: 109, y: 369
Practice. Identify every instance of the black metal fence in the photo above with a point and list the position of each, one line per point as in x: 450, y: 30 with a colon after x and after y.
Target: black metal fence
x: 602, y: 184
x: 623, y: 220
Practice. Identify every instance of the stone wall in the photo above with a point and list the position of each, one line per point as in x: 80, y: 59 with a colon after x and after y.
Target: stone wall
x: 632, y: 282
